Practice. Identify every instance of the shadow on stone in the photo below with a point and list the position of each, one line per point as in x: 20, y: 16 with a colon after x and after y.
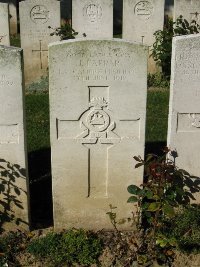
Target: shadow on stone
x: 40, y: 188
x: 11, y: 205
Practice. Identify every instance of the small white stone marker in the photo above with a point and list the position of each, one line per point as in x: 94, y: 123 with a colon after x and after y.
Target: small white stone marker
x: 35, y: 18
x: 12, y: 141
x: 93, y: 18
x: 184, y: 111
x: 4, y: 25
x: 97, y: 112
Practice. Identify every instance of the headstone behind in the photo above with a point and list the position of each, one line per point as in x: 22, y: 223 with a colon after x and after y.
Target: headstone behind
x: 14, y: 178
x: 4, y: 25
x: 35, y: 18
x: 12, y: 15
x: 189, y: 9
x: 93, y: 18
x: 141, y: 19
x: 184, y: 111
x: 97, y: 115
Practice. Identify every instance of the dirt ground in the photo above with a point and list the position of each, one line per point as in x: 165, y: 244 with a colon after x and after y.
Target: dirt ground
x: 120, y: 250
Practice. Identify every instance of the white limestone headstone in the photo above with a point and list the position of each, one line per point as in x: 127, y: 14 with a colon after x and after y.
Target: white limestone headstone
x: 93, y: 18
x: 184, y: 111
x: 141, y: 19
x: 12, y: 15
x: 4, y: 25
x: 97, y: 123
x: 35, y: 18
x: 189, y: 9
x: 14, y: 193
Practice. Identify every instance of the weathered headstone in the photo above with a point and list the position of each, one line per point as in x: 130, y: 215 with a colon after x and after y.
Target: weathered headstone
x: 141, y: 19
x: 97, y: 114
x: 35, y: 18
x: 4, y: 25
x: 12, y: 15
x: 184, y: 111
x: 13, y: 163
x: 189, y: 9
x: 93, y: 18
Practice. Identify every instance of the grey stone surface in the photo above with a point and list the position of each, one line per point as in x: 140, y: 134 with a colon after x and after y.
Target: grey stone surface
x: 13, y: 15
x: 4, y: 25
x: 35, y: 18
x: 12, y: 140
x: 97, y: 123
x: 141, y: 19
x: 189, y: 9
x: 184, y: 111
x: 93, y: 18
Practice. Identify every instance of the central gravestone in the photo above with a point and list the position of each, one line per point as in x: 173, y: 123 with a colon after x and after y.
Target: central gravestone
x: 93, y: 18
x: 97, y: 114
x: 35, y: 18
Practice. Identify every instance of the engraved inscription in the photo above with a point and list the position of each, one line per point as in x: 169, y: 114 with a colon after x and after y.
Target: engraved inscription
x: 188, y: 122
x: 9, y: 134
x: 188, y: 64
x: 144, y: 10
x: 93, y: 12
x: 39, y: 14
x: 4, y: 81
x: 99, y: 69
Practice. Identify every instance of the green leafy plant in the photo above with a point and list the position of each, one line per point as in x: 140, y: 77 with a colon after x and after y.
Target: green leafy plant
x: 162, y: 47
x: 157, y: 80
x: 185, y: 228
x: 73, y: 246
x: 65, y: 32
x: 165, y: 189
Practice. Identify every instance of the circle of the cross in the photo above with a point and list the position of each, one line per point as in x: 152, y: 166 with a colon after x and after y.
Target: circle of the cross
x: 143, y: 9
x: 39, y: 14
x: 97, y: 121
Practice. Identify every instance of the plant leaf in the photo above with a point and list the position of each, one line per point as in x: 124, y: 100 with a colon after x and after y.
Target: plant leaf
x: 132, y: 199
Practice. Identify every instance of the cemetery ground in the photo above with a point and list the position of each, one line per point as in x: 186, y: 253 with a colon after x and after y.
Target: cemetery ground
x: 78, y: 247
x: 43, y: 247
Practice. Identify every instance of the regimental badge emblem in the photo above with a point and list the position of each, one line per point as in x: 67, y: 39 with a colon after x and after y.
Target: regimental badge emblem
x: 97, y: 124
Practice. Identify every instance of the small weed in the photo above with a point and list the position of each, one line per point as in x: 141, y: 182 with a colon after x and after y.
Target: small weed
x: 73, y: 246
x: 185, y: 228
x: 157, y: 80
x: 40, y: 86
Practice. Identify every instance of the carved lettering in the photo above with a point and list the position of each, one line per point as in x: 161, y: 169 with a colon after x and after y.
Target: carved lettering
x: 92, y: 12
x: 4, y: 81
x: 144, y: 10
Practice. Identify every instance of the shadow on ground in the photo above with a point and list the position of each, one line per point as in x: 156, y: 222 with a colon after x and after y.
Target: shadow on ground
x: 40, y: 188
x: 154, y: 148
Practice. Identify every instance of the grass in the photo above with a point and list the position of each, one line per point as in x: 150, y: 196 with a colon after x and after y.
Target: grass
x: 157, y: 115
x: 37, y: 123
x: 37, y: 113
